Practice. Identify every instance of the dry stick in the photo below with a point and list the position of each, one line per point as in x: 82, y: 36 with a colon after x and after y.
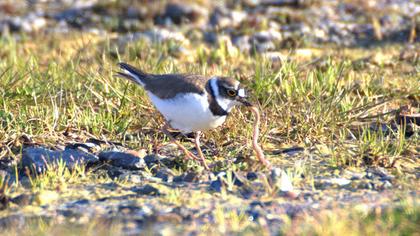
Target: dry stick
x: 256, y: 133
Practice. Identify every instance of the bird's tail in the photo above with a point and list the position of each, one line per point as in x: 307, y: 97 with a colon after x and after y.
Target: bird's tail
x: 132, y: 73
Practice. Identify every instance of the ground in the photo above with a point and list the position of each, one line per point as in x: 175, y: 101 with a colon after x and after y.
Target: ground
x: 81, y: 151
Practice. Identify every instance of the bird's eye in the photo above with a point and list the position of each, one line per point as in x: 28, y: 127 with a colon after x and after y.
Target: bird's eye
x: 231, y: 92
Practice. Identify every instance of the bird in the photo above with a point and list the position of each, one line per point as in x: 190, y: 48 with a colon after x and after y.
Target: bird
x: 189, y: 103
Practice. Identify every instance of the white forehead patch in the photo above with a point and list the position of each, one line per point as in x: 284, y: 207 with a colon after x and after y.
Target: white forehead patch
x: 241, y: 93
x: 236, y: 85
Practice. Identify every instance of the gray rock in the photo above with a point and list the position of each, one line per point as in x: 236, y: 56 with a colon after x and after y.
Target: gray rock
x: 386, y: 185
x: 211, y: 37
x: 146, y: 190
x: 251, y: 176
x: 292, y: 150
x: 31, y: 22
x: 265, y: 40
x: 379, y: 172
x: 165, y: 174
x: 243, y: 43
x: 338, y: 181
x: 22, y: 200
x: 16, y: 221
x: 223, y: 17
x: 123, y: 160
x: 152, y: 161
x: 180, y: 12
x: 268, y: 35
x: 6, y: 166
x: 154, y: 35
x: 4, y: 201
x: 39, y: 159
x: 216, y: 185
x: 191, y: 177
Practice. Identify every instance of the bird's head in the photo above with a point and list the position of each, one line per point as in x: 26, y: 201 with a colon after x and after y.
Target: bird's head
x: 229, y: 93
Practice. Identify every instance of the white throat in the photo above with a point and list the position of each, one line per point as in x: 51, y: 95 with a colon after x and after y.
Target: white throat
x: 224, y: 103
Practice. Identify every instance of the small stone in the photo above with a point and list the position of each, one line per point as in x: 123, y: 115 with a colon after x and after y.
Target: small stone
x: 386, y: 185
x: 6, y: 163
x: 275, y: 57
x: 268, y: 35
x: 357, y: 176
x: 369, y: 175
x: 29, y: 23
x: 4, y: 201
x: 146, y: 190
x: 81, y: 202
x: 243, y: 43
x: 152, y: 161
x: 83, y: 146
x: 16, y: 221
x: 40, y: 159
x: 191, y: 177
x: 365, y: 185
x: 184, y: 13
x: 380, y: 172
x: 211, y: 37
x: 46, y: 197
x: 123, y: 159
x: 114, y: 172
x: 22, y: 200
x: 251, y: 176
x: 238, y: 179
x: 169, y: 162
x: 135, y: 178
x: 223, y: 17
x: 165, y: 174
x: 216, y: 185
x: 261, y: 47
x: 338, y: 181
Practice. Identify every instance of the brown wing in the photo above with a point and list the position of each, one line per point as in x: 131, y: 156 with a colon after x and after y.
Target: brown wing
x: 168, y: 86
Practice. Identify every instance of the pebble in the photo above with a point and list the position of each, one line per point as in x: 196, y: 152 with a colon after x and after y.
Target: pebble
x: 14, y: 221
x: 180, y: 13
x: 22, y: 199
x: 39, y: 159
x: 216, y: 185
x: 276, y: 57
x: 155, y: 35
x: 386, y: 185
x: 379, y: 172
x: 146, y: 190
x: 29, y: 23
x: 4, y: 201
x: 165, y: 174
x: 45, y: 197
x: 251, y: 176
x: 124, y: 160
x: 243, y: 43
x: 223, y: 17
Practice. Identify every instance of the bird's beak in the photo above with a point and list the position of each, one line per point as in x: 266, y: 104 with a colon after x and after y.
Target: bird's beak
x: 244, y: 101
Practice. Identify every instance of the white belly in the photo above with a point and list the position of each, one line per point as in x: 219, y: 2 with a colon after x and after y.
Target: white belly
x: 188, y: 113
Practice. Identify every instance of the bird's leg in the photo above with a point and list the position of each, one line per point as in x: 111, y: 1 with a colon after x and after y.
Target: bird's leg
x: 180, y: 146
x: 197, y: 146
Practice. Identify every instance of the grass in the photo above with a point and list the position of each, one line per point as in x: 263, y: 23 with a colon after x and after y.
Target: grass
x: 58, y: 90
